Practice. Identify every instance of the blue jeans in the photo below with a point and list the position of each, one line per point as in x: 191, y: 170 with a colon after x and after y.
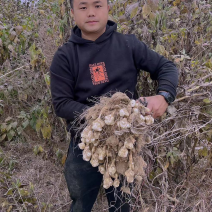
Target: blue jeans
x: 84, y: 182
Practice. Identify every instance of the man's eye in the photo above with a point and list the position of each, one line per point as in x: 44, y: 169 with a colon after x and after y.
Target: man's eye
x: 82, y: 8
x: 98, y: 6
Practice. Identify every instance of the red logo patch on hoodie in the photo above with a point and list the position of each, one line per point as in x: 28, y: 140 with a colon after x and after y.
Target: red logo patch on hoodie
x: 98, y: 73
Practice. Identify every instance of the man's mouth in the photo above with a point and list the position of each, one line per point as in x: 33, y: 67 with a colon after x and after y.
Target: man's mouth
x: 91, y: 22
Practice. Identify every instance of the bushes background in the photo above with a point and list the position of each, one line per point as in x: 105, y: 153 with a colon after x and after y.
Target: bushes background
x: 179, y: 157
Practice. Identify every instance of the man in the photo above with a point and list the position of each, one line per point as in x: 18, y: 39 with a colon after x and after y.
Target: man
x: 97, y: 60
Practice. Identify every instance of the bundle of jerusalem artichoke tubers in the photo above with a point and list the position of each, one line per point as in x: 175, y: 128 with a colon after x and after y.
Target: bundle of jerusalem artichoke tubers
x: 112, y: 140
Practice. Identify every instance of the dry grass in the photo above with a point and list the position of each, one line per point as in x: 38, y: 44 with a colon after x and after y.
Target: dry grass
x: 179, y: 174
x: 43, y: 172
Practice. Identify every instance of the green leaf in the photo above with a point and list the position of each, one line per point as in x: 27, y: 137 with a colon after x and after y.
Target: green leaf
x: 156, y: 21
x: 8, y: 176
x: 38, y: 149
x: 22, y: 115
x: 14, y: 124
x: 10, y: 135
x: 31, y: 186
x: 59, y: 154
x: 175, y: 149
x: 8, y: 119
x: 1, y: 159
x: 9, y: 192
x: 203, y: 152
x: 207, y: 101
x: 46, y: 131
x: 209, y: 135
x: 38, y: 125
x: 3, y: 137
x: 25, y: 123
x: 33, y: 123
x: 8, y: 127
x: 151, y: 175
x: 19, y: 130
x: 160, y: 49
x: 11, y: 164
x: 47, y: 79
x: 158, y: 171
x: 35, y: 150
x: 3, y: 127
x: 172, y: 159
x: 18, y: 183
x: 23, y: 192
x: 168, y: 154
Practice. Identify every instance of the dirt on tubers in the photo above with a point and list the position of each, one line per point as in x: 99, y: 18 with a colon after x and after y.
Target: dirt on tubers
x: 115, y: 131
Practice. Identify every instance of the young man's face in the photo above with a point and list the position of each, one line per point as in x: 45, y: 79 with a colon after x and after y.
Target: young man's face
x: 90, y: 15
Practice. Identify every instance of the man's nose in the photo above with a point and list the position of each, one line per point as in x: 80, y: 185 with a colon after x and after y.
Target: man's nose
x: 91, y: 12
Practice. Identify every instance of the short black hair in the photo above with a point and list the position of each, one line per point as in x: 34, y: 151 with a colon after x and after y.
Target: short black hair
x: 71, y: 3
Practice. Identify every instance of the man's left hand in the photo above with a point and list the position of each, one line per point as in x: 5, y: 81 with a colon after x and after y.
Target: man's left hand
x: 156, y: 104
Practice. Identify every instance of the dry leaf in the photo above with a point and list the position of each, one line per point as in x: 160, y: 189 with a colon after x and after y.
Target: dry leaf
x: 160, y: 49
x: 152, y: 16
x: 62, y: 9
x: 125, y: 190
x: 176, y: 2
x: 63, y: 160
x: 134, y: 12
x: 46, y: 131
x: 146, y: 10
x: 154, y: 4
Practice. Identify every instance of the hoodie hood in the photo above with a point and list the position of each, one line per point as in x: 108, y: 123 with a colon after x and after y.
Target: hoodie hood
x: 76, y: 34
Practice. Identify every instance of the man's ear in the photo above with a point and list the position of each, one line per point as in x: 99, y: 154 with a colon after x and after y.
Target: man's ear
x: 72, y: 13
x: 108, y: 7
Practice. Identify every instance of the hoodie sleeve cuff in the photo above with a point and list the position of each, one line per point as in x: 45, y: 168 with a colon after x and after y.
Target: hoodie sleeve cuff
x: 168, y: 87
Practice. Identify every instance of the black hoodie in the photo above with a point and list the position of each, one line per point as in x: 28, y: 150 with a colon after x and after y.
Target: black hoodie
x: 82, y: 69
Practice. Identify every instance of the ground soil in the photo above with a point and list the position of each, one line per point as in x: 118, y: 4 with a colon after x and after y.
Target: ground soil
x: 45, y: 173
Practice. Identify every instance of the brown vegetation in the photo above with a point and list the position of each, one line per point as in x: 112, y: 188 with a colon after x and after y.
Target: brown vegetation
x: 33, y: 141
